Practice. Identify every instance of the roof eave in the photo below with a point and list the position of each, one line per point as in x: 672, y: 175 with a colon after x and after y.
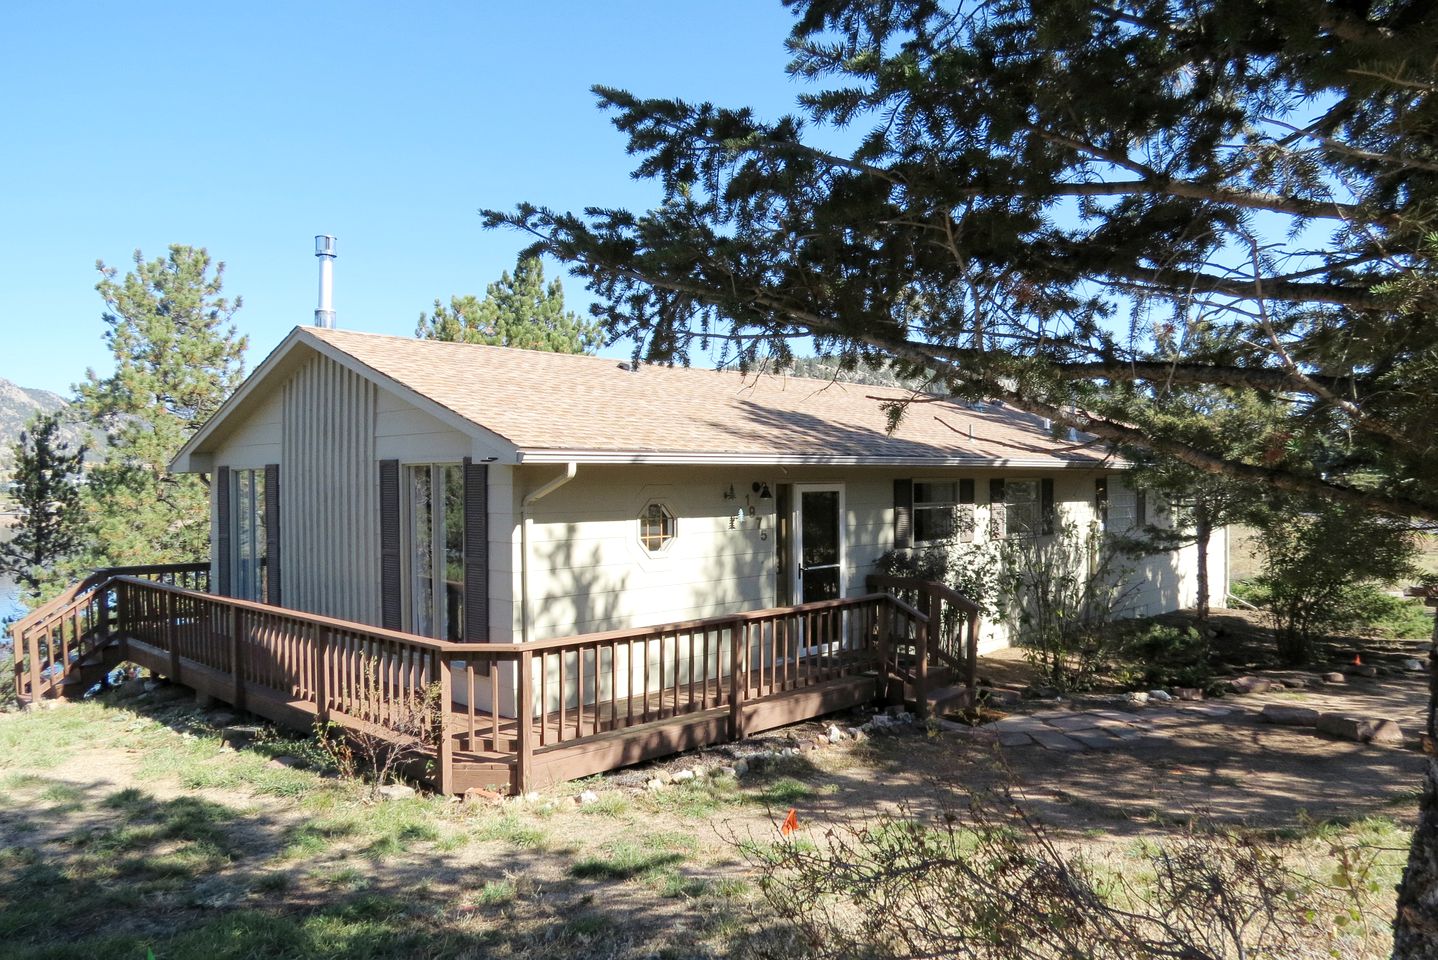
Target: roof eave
x: 797, y: 459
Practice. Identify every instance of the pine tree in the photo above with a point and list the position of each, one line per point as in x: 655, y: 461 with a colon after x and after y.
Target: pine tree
x: 177, y: 357
x: 47, y: 493
x: 517, y: 311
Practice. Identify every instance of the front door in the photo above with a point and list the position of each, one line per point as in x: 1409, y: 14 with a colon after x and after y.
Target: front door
x: 818, y: 542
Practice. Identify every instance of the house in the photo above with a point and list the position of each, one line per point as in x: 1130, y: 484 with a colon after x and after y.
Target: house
x: 488, y: 494
x: 591, y: 564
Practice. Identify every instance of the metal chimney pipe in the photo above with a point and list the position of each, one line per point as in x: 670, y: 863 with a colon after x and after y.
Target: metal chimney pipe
x: 325, y: 251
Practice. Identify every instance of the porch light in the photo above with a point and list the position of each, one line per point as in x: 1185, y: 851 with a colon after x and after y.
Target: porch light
x: 763, y: 490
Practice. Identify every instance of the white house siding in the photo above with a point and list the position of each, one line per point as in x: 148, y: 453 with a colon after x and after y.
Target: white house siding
x: 329, y: 494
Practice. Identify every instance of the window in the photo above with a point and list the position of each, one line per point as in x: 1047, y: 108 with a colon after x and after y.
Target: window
x: 1124, y: 507
x: 436, y: 554
x: 657, y: 527
x: 1022, y: 508
x: 248, y: 536
x: 939, y: 513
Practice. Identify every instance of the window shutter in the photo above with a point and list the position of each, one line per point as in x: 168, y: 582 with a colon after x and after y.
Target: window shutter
x: 272, y: 533
x: 1140, y: 508
x: 966, y: 491
x: 476, y: 551
x: 997, y: 518
x: 1100, y: 501
x: 222, y: 531
x: 389, y: 566
x: 903, y: 514
x: 1046, y: 505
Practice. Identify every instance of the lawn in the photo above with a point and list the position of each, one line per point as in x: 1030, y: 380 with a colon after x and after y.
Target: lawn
x: 126, y: 828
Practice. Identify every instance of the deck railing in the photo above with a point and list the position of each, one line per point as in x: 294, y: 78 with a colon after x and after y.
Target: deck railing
x: 953, y: 622
x: 500, y: 701
x: 69, y: 626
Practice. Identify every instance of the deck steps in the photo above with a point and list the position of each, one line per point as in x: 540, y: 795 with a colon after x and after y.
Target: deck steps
x: 947, y: 700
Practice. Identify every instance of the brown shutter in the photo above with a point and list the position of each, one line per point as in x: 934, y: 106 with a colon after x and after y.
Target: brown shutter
x: 1100, y: 501
x: 903, y: 514
x: 997, y: 517
x: 1046, y: 505
x: 222, y: 530
x: 966, y: 491
x: 272, y: 533
x: 476, y: 552
x: 783, y: 544
x: 389, y: 566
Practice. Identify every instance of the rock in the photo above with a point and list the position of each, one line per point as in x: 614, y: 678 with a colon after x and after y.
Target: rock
x: 683, y: 776
x: 700, y: 772
x: 221, y: 718
x: 897, y: 711
x: 567, y: 803
x: 804, y: 746
x: 664, y: 776
x: 396, y: 791
x: 481, y: 795
x: 835, y: 734
x: 740, y: 767
x: 1361, y: 670
x: 152, y: 685
x: 239, y: 735
x: 857, y: 733
x: 726, y: 771
x: 1188, y: 693
x: 285, y: 760
x: 1251, y: 684
x: 1137, y: 696
x: 1162, y: 696
x: 1362, y: 730
x: 1414, y: 665
x: 1288, y: 716
x: 1003, y: 696
x: 1334, y: 677
x: 655, y: 785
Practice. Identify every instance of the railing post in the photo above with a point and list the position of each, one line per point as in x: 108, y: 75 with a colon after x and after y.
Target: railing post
x: 936, y: 625
x: 972, y: 678
x: 524, y: 718
x: 921, y: 673
x: 237, y: 653
x: 737, y: 656
x: 32, y: 650
x: 881, y: 646
x: 172, y: 636
x: 445, y: 751
x: 322, y: 674
x: 122, y: 618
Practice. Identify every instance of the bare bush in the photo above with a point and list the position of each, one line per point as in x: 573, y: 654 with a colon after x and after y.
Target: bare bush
x: 404, y: 741
x: 991, y: 884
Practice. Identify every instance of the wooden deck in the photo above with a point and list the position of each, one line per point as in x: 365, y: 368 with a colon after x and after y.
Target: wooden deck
x: 567, y: 707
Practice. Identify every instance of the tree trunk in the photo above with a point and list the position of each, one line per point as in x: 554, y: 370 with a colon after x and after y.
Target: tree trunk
x: 1415, y: 928
x: 1203, y: 531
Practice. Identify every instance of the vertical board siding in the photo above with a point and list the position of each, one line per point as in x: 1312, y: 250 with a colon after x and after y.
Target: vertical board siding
x: 331, y: 528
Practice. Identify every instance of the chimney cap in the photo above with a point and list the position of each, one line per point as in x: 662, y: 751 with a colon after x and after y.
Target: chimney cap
x: 324, y: 245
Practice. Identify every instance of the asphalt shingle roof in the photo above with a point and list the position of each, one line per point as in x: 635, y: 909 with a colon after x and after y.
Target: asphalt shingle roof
x: 562, y: 402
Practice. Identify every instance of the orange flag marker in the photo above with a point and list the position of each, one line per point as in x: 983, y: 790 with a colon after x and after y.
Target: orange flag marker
x: 790, y: 824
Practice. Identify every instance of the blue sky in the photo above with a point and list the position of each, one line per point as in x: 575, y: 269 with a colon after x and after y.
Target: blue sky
x: 248, y: 128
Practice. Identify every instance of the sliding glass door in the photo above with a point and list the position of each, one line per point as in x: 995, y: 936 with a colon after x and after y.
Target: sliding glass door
x: 436, y: 550
x: 248, y: 539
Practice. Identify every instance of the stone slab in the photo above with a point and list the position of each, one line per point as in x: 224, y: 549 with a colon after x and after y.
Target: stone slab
x: 1015, y: 739
x: 1097, y: 741
x: 1076, y: 721
x: 1057, y: 741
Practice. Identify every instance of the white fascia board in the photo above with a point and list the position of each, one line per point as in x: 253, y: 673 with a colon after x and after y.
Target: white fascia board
x: 186, y: 461
x: 765, y: 459
x: 193, y: 457
x: 437, y: 410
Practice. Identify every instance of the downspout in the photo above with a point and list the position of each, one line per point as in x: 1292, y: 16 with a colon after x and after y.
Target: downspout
x: 570, y: 469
